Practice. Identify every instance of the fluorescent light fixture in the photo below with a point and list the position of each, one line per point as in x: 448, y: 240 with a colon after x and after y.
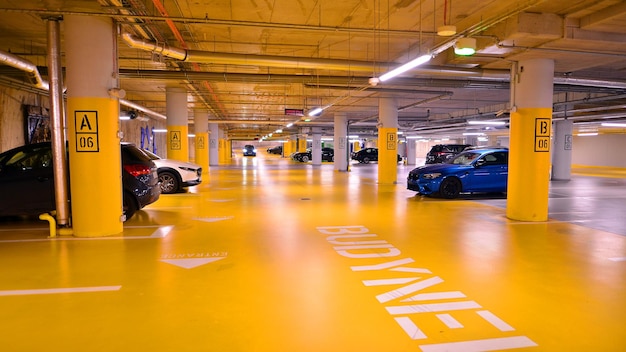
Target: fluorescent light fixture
x: 587, y: 134
x: 473, y: 134
x: 353, y: 136
x: 465, y: 46
x: 289, y: 125
x: 613, y: 124
x: 122, y: 117
x: 191, y: 135
x: 315, y: 112
x: 494, y: 123
x: 159, y: 130
x: 400, y: 132
x: 279, y: 131
x: 408, y: 66
x: 483, y: 139
x: 413, y: 137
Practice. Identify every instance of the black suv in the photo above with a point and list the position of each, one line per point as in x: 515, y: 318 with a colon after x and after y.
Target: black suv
x: 27, y: 180
x: 365, y: 156
x: 440, y: 153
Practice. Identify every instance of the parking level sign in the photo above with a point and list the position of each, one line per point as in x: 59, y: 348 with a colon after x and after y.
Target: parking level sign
x: 542, y: 135
x: 86, y: 127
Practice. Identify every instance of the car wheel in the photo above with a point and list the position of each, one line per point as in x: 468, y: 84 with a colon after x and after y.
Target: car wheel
x: 366, y: 160
x: 450, y: 188
x: 169, y: 182
x: 332, y: 158
x: 305, y: 159
x: 130, y: 206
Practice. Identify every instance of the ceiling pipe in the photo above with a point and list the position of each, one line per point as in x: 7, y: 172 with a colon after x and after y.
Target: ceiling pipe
x: 26, y: 66
x: 247, y: 59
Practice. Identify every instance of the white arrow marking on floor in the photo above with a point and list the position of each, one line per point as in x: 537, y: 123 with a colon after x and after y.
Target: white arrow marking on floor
x: 191, y: 262
x: 214, y: 219
x: 162, y: 231
x: 48, y: 291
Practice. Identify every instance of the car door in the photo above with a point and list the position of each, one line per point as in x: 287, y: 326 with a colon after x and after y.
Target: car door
x: 490, y: 173
x: 27, y: 182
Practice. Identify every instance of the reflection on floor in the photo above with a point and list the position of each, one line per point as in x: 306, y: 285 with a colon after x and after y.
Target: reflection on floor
x: 270, y: 255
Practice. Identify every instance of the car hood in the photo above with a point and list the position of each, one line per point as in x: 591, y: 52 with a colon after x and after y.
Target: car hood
x: 443, y: 168
x: 175, y: 163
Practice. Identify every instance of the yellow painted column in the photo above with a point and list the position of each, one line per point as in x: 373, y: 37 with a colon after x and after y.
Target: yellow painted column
x: 530, y: 131
x: 177, y: 125
x: 387, y: 155
x: 229, y: 149
x: 201, y: 130
x: 93, y: 125
x: 356, y: 146
x: 387, y: 141
x: 302, y: 143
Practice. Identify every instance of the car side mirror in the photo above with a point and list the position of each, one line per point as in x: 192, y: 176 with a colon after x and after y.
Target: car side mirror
x: 480, y: 162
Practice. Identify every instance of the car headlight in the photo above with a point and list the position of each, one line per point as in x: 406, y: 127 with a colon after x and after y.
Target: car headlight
x: 431, y: 175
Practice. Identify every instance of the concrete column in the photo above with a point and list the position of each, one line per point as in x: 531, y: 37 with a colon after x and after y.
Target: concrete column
x: 214, y: 156
x: 93, y: 126
x: 387, y: 141
x: 177, y: 125
x: 411, y: 151
x: 562, y: 154
x: 529, y: 154
x: 316, y: 148
x: 201, y: 130
x: 342, y: 156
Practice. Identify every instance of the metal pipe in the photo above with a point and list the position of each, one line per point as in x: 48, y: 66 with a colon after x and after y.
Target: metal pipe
x: 198, y: 56
x: 24, y: 65
x: 57, y: 121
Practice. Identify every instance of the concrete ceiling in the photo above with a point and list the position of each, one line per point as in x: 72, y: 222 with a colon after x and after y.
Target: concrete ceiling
x: 248, y: 60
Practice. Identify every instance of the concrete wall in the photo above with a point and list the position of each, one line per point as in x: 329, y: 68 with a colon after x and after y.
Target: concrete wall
x: 601, y: 150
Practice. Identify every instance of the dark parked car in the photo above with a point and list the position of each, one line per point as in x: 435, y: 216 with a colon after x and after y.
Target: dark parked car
x: 473, y: 171
x: 367, y: 155
x: 328, y: 154
x: 441, y: 152
x: 275, y: 150
x: 249, y: 150
x: 27, y: 180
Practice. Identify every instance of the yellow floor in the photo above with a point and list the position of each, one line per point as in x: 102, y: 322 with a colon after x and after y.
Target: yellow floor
x: 267, y: 255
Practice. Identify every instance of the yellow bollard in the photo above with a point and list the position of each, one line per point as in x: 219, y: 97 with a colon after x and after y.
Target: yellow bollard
x: 51, y: 221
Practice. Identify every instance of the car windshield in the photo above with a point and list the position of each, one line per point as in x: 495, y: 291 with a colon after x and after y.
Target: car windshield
x: 465, y: 158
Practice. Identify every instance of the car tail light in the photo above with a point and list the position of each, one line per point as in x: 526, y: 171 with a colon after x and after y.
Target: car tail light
x: 137, y: 169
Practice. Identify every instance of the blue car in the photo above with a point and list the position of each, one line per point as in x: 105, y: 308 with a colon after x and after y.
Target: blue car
x: 473, y: 171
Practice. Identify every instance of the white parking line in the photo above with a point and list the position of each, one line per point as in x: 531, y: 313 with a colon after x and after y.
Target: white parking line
x: 50, y: 291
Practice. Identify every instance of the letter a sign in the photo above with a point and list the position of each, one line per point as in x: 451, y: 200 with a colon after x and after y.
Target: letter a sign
x: 86, y: 126
x: 175, y: 142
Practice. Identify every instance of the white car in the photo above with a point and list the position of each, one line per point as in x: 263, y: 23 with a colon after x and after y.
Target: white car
x: 175, y: 174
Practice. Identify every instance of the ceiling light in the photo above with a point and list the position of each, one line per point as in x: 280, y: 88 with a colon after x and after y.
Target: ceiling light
x: 446, y: 31
x: 315, y: 112
x: 613, y: 124
x: 465, y: 46
x: 279, y: 131
x: 587, y: 134
x: 408, y: 66
x: 494, y: 123
x: 473, y: 134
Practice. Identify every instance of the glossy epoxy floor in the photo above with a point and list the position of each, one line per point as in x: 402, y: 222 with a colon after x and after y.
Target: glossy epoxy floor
x: 268, y: 255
